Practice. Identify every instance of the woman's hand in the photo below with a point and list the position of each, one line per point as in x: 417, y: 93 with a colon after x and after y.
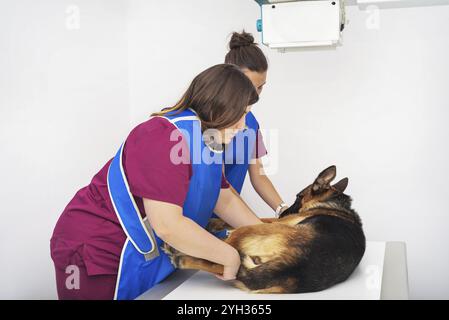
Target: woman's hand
x: 231, y: 269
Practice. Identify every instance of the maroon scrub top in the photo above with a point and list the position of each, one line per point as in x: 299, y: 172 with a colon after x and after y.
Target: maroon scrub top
x: 88, y: 232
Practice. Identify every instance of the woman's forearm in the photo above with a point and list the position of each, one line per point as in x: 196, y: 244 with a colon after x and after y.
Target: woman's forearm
x: 233, y: 210
x: 183, y: 234
x: 264, y: 187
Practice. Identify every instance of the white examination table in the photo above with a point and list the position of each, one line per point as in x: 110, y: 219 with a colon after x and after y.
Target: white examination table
x: 382, y: 274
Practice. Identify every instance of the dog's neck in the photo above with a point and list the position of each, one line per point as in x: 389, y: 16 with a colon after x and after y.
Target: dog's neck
x: 345, y: 213
x: 325, y: 205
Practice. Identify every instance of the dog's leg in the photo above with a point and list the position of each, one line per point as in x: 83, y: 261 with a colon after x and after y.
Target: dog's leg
x: 188, y: 262
x: 275, y: 289
x: 269, y: 220
x: 217, y: 225
x: 182, y: 261
x: 291, y: 220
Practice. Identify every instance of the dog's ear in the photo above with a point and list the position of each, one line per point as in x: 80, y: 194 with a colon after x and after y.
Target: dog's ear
x: 324, y: 178
x: 341, y: 185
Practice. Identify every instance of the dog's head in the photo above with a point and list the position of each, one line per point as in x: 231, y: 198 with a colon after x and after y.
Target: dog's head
x: 321, y: 191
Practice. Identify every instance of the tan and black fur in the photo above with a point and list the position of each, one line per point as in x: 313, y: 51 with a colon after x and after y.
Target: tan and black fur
x: 316, y: 243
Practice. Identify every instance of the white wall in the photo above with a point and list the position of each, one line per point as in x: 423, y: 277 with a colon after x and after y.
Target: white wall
x: 63, y: 112
x: 375, y: 107
x: 171, y: 41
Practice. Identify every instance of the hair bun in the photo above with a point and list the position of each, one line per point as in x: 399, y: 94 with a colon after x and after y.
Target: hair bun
x: 242, y: 39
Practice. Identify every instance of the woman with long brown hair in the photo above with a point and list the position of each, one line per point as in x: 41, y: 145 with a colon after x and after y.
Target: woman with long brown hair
x: 162, y: 186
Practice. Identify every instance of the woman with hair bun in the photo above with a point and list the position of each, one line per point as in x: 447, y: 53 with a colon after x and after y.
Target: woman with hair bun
x: 240, y: 157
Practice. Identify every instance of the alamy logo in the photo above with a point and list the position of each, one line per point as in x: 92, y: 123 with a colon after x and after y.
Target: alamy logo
x: 72, y: 282
x: 72, y: 20
x: 241, y: 150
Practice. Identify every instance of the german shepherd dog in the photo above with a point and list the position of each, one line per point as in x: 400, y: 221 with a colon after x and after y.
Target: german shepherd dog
x: 316, y: 243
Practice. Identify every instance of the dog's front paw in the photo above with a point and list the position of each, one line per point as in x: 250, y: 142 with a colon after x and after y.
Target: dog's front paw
x: 172, y: 253
x: 217, y: 225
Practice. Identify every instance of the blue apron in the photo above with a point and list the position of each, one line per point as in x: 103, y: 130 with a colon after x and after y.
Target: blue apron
x: 142, y: 263
x: 239, y: 152
x: 237, y: 156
